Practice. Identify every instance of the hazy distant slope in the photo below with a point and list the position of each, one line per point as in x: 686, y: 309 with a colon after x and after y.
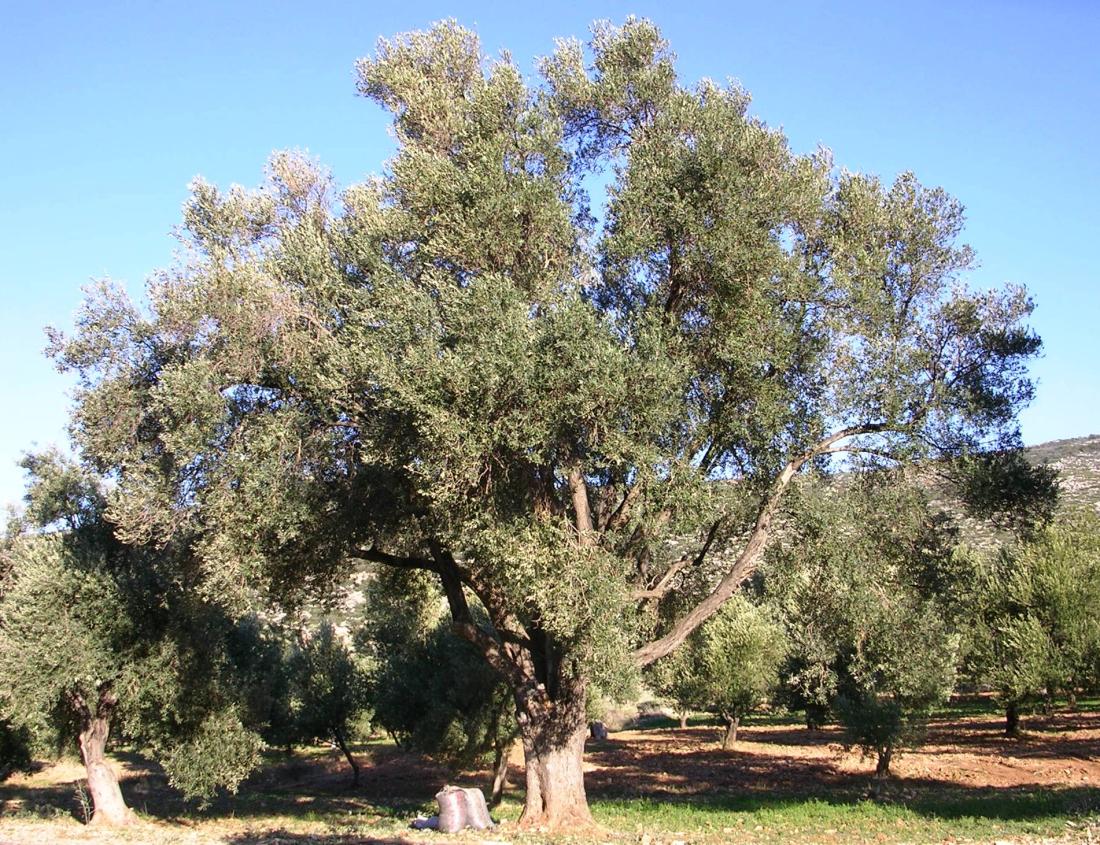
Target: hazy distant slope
x: 1078, y: 463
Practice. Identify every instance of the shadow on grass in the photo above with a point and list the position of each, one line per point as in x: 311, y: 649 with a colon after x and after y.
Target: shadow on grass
x: 644, y: 773
x: 1001, y: 805
x: 286, y: 837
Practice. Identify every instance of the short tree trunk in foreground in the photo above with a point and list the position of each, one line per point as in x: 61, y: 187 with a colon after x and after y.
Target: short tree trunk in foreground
x: 882, y: 767
x: 338, y: 735
x: 1012, y: 720
x: 553, y: 736
x: 729, y: 740
x: 107, y: 801
x: 684, y: 719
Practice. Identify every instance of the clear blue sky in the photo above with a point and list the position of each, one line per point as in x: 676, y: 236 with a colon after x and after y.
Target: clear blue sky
x: 107, y: 110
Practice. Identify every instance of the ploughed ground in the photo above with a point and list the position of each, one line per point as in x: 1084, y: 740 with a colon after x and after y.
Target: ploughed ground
x: 964, y: 752
x: 965, y: 768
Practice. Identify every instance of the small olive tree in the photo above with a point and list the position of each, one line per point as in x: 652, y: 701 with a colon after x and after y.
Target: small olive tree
x: 1037, y: 629
x: 98, y: 637
x: 898, y: 666
x: 863, y: 582
x: 328, y: 689
x: 730, y: 666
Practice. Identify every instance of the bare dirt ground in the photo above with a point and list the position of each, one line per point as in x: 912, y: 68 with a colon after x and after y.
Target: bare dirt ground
x: 308, y: 798
x: 968, y: 752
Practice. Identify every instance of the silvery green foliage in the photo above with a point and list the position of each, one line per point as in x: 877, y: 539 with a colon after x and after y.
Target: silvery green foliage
x: 87, y: 623
x: 457, y: 367
x: 869, y: 587
x: 1037, y: 627
x: 730, y: 665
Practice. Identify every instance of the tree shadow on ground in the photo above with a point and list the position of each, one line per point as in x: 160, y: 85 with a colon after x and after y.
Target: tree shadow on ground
x: 393, y: 784
x: 673, y: 766
x: 286, y: 837
x: 61, y: 799
x: 1041, y: 737
x: 751, y: 778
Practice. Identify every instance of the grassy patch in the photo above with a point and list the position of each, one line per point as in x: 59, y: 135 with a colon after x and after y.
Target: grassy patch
x: 929, y: 818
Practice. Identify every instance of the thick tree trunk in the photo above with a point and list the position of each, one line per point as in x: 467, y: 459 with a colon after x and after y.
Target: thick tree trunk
x: 500, y: 773
x: 109, y: 807
x: 684, y: 720
x: 730, y: 738
x: 553, y: 750
x: 339, y: 736
x: 1012, y: 720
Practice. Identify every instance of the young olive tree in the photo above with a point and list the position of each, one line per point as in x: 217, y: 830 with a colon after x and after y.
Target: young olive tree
x: 457, y: 368
x: 865, y: 582
x: 1038, y: 627
x: 730, y: 665
x: 328, y: 689
x: 99, y: 637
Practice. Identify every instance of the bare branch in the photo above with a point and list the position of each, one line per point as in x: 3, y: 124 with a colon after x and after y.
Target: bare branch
x: 661, y: 588
x: 463, y: 624
x: 621, y: 514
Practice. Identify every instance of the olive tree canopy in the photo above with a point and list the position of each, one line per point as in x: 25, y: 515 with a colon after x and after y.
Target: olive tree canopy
x: 100, y: 637
x: 459, y: 367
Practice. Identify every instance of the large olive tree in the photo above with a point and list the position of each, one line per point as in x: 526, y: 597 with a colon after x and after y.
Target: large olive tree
x: 458, y: 367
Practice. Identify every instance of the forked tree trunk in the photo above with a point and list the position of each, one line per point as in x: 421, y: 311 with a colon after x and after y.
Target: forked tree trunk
x: 684, y: 714
x: 109, y: 807
x: 553, y: 749
x: 730, y: 738
x: 882, y: 767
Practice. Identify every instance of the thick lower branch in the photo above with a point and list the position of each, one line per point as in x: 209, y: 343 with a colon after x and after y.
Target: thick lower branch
x: 374, y: 555
x: 743, y: 566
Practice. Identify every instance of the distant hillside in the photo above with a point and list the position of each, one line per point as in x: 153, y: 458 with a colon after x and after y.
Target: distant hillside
x: 1078, y: 463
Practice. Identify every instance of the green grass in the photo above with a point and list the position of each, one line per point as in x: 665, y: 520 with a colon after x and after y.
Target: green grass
x: 930, y: 818
x: 287, y: 805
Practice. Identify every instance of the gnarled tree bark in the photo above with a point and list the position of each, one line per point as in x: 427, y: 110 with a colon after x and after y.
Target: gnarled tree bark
x: 553, y: 735
x: 729, y: 738
x: 109, y: 807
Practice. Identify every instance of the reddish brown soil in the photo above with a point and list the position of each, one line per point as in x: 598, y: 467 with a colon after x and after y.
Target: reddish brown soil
x: 969, y: 752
